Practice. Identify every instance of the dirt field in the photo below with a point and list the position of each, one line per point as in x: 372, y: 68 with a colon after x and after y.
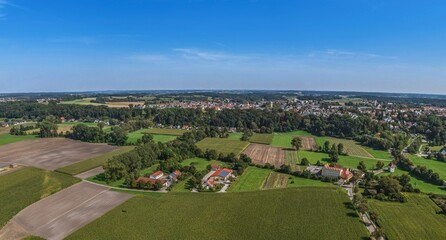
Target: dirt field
x: 60, y: 214
x: 308, y: 143
x: 262, y: 154
x: 51, y: 153
x: 90, y: 173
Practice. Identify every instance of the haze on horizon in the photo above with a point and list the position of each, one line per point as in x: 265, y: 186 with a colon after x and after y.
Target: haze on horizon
x: 345, y: 45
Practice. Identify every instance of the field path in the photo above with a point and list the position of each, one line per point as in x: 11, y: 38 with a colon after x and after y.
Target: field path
x: 60, y: 214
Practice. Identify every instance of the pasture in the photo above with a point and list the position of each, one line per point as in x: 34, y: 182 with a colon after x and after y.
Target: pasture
x: 345, y: 161
x: 133, y: 137
x: 25, y: 186
x: 283, y: 139
x: 222, y: 145
x: 91, y: 163
x: 425, y: 187
x: 201, y: 163
x: 415, y: 219
x: 262, y: 154
x: 8, y: 138
x: 251, y: 180
x: 51, y: 153
x: 436, y: 166
x: 261, y: 138
x: 165, y: 131
x: 350, y: 147
x: 253, y: 215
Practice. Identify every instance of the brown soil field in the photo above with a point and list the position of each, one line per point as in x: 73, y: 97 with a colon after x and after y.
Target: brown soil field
x: 58, y: 215
x: 51, y: 153
x: 262, y: 154
x: 308, y: 143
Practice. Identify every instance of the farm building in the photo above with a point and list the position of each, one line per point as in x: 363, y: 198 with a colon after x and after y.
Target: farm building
x: 157, y: 175
x: 336, y: 172
x: 174, y: 175
x: 220, y: 176
x: 152, y: 181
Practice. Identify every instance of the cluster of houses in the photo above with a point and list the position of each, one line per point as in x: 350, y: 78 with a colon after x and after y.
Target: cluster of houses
x: 217, y: 176
x: 159, y: 176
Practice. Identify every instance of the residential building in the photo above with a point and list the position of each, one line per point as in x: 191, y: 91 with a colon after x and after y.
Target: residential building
x: 157, y: 175
x: 336, y: 172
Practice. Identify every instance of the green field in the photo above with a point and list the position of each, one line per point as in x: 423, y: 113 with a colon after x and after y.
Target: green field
x: 222, y: 145
x: 261, y: 138
x: 201, y: 163
x: 235, y: 136
x: 436, y: 148
x: 180, y: 186
x: 415, y: 219
x: 165, y: 131
x: 379, y: 154
x: 304, y: 213
x: 25, y: 186
x: 83, y: 101
x: 292, y: 159
x: 7, y: 138
x: 436, y: 166
x: 350, y: 147
x: 417, y: 183
x: 91, y: 163
x: 251, y: 180
x: 134, y: 136
x: 305, y: 182
x: 345, y: 161
x: 283, y: 139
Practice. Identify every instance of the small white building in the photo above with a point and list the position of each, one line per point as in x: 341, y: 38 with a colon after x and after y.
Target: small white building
x: 391, y: 167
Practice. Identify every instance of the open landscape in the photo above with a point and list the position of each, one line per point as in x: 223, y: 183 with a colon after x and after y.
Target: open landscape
x: 262, y: 154
x: 326, y: 207
x: 222, y: 145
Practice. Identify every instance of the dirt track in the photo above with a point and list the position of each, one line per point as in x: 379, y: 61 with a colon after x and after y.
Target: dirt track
x: 57, y: 216
x: 262, y: 154
x: 51, y: 153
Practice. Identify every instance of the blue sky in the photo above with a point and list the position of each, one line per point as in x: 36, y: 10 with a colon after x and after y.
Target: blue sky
x: 354, y: 45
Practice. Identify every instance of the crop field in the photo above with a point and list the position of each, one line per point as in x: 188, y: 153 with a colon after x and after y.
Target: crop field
x: 276, y: 180
x: 294, y: 182
x: 91, y: 163
x: 292, y: 159
x: 67, y: 127
x: 262, y: 154
x: 222, y: 145
x: 134, y: 136
x: 415, y: 219
x: 51, y: 153
x: 283, y: 139
x: 25, y: 186
x: 308, y: 143
x: 262, y: 138
x: 251, y: 180
x: 165, y: 131
x: 201, y: 163
x: 254, y: 215
x: 8, y: 138
x: 87, y: 101
x: 345, y: 161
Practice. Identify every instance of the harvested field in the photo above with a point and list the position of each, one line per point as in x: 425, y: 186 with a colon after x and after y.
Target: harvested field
x: 51, y: 153
x: 262, y: 154
x: 262, y: 138
x: 276, y: 180
x: 308, y: 143
x: 59, y: 215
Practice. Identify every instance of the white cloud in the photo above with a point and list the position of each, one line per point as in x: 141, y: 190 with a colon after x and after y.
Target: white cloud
x: 191, y: 53
x: 336, y: 53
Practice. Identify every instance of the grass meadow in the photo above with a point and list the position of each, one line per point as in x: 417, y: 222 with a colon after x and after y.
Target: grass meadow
x: 262, y: 138
x: 304, y: 213
x: 201, y: 163
x: 91, y: 163
x: 415, y: 219
x: 345, y: 161
x: 222, y: 145
x: 134, y: 136
x: 283, y: 139
x: 25, y: 186
x: 8, y: 138
x: 165, y: 131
